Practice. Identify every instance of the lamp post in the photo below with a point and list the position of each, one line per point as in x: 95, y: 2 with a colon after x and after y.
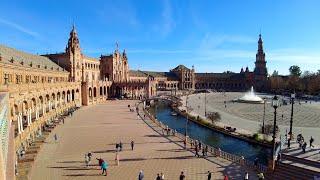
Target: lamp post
x: 293, y: 95
x: 205, y: 103
x: 187, y: 118
x: 275, y: 104
x: 264, y: 114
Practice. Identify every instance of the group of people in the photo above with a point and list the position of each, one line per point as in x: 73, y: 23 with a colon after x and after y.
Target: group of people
x: 198, y: 146
x: 160, y: 176
x: 303, y: 144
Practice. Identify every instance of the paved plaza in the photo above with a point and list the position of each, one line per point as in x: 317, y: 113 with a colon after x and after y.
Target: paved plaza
x: 97, y: 129
x: 248, y: 117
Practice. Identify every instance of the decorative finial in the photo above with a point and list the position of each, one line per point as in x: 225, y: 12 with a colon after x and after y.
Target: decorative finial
x: 117, y: 45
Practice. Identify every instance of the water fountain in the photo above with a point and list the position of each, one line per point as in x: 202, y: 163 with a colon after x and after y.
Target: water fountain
x: 250, y: 97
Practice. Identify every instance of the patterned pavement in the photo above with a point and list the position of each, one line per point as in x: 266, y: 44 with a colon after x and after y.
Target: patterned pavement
x: 97, y: 129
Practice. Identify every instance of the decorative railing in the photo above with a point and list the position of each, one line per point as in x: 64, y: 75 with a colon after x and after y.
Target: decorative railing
x: 214, y: 151
x: 35, y: 86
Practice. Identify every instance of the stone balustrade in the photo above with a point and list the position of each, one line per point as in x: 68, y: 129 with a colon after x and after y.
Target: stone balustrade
x: 36, y: 86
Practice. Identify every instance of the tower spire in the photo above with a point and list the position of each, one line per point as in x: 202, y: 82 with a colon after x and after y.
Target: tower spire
x: 260, y: 46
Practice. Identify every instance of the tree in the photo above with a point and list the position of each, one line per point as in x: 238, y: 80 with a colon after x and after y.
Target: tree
x: 275, y: 73
x: 214, y: 116
x: 295, y: 70
x: 307, y: 74
x: 268, y: 129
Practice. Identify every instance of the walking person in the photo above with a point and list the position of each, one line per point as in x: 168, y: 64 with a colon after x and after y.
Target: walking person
x: 261, y: 176
x: 158, y: 177
x: 279, y: 158
x: 197, y: 153
x: 209, y: 175
x: 104, y: 168
x: 256, y: 164
x: 132, y: 145
x: 117, y: 147
x: 141, y: 175
x: 100, y: 162
x: 203, y: 152
x: 55, y: 138
x: 117, y: 159
x: 311, y: 141
x: 162, y: 176
x: 246, y: 176
x: 182, y: 176
x: 121, y: 145
x: 304, y: 146
x: 206, y: 150
x: 89, y: 156
x: 86, y: 159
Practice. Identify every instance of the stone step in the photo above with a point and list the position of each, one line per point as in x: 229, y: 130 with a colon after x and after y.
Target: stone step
x: 299, y: 166
x: 304, y: 161
x: 35, y: 147
x: 27, y: 158
x: 31, y: 151
x: 293, y: 171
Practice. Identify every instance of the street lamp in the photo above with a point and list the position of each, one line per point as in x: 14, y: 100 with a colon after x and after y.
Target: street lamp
x: 264, y: 114
x: 205, y: 103
x: 293, y: 95
x: 275, y: 104
x: 187, y: 119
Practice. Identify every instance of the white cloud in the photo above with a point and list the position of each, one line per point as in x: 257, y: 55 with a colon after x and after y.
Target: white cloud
x: 19, y: 27
x: 210, y: 41
x: 166, y: 23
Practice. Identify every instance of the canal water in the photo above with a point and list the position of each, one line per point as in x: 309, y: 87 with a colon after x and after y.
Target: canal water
x: 210, y: 137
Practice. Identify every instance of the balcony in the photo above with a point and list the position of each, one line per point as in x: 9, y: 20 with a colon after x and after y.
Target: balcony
x: 26, y: 88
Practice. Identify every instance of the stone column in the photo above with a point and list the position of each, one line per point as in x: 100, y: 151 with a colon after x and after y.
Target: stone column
x: 43, y: 108
x: 49, y: 104
x: 30, y: 111
x: 28, y: 117
x: 60, y: 100
x: 36, y: 110
x: 19, y: 124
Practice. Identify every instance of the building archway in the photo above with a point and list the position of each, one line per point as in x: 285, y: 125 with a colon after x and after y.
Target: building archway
x: 90, y: 92
x: 94, y: 92
x: 72, y: 95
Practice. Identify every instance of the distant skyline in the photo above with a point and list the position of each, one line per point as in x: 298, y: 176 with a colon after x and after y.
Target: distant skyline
x: 158, y: 35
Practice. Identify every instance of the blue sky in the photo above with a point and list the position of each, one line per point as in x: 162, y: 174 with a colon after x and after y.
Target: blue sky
x: 158, y: 35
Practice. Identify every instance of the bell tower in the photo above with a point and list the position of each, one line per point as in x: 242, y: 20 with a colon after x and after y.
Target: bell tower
x: 260, y: 64
x: 74, y: 51
x: 260, y: 70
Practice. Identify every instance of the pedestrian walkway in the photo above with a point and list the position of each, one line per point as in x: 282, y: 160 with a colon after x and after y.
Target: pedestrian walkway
x: 98, y: 128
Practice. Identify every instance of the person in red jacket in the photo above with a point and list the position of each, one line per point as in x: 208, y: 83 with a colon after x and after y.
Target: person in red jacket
x: 226, y: 177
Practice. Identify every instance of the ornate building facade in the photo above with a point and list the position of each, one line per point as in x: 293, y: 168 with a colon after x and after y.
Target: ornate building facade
x: 36, y: 89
